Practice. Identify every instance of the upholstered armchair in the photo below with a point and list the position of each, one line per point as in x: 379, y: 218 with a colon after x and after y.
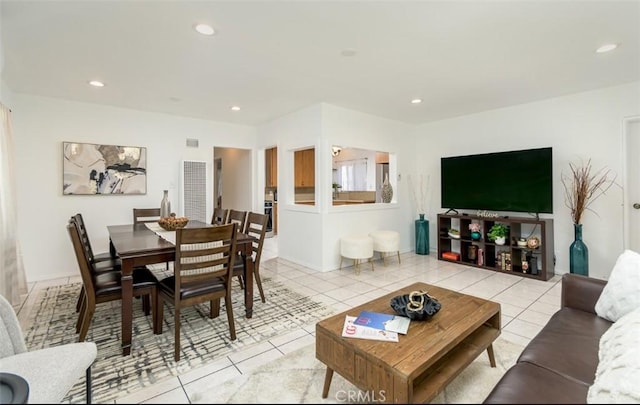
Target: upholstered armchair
x: 50, y: 372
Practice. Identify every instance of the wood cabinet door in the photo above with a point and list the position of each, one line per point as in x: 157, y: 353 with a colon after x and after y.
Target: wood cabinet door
x: 304, y: 168
x: 271, y: 167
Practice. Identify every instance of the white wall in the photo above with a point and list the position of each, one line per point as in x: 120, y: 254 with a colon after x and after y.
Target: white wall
x: 236, y: 174
x: 299, y: 227
x: 42, y: 124
x: 585, y: 125
x: 310, y: 234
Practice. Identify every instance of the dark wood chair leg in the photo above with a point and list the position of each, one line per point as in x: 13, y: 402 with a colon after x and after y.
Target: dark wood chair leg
x: 80, y: 299
x: 259, y: 282
x: 229, y: 309
x: 88, y: 391
x: 176, y: 344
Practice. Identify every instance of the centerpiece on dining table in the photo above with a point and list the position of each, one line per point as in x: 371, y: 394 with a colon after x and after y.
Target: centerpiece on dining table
x: 173, y: 222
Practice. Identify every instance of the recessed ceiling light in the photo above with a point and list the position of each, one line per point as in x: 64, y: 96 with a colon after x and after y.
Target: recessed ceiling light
x: 606, y: 48
x: 96, y: 83
x: 348, y: 52
x: 416, y: 101
x: 205, y: 29
x: 235, y: 108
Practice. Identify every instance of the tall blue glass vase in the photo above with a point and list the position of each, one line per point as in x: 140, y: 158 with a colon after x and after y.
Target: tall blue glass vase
x: 422, y: 236
x: 578, y: 253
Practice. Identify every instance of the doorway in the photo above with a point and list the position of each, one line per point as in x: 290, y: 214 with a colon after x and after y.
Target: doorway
x: 232, y: 167
x: 631, y: 149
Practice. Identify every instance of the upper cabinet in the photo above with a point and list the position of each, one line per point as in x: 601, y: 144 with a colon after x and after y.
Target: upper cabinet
x: 271, y: 167
x: 305, y: 168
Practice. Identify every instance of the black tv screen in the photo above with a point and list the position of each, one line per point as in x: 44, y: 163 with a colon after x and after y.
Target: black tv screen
x: 519, y: 181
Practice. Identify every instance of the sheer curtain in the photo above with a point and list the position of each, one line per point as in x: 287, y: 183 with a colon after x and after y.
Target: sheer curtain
x: 13, y: 282
x: 352, y: 174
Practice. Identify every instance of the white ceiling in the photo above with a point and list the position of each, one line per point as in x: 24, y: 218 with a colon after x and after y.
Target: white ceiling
x: 275, y: 57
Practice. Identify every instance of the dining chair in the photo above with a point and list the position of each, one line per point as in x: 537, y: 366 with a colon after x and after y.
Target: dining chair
x: 142, y: 215
x: 146, y: 215
x: 202, y: 272
x: 219, y: 216
x: 100, y: 263
x: 105, y: 287
x: 237, y: 217
x: 106, y: 259
x: 256, y: 226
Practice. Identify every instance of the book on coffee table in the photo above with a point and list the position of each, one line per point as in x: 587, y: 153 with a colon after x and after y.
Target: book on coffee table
x: 388, y: 322
x: 351, y: 330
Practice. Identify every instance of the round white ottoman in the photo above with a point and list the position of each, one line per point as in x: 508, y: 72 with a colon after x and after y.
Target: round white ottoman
x: 358, y: 248
x: 386, y: 242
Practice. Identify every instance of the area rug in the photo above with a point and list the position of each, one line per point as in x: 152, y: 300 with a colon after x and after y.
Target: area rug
x: 52, y: 322
x: 298, y: 377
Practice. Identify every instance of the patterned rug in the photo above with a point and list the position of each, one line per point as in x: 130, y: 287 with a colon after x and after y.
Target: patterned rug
x: 52, y: 322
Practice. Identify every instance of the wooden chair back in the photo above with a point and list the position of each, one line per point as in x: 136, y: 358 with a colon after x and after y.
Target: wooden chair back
x: 78, y: 221
x: 203, y: 268
x: 86, y: 271
x: 256, y: 227
x: 219, y: 216
x: 142, y: 215
x: 204, y: 255
x: 237, y: 217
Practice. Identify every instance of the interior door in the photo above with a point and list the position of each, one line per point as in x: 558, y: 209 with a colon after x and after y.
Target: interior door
x: 632, y: 183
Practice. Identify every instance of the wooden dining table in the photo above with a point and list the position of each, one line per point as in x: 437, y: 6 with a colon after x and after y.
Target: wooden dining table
x: 137, y: 245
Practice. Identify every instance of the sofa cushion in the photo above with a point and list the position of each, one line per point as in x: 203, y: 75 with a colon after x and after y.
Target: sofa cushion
x: 568, y: 345
x: 621, y: 295
x: 525, y: 383
x: 618, y: 371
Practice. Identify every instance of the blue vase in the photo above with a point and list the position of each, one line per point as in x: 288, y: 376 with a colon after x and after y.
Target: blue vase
x: 475, y: 235
x: 578, y: 253
x: 422, y: 236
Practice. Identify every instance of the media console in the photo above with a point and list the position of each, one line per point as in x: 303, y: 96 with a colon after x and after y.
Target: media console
x: 536, y: 263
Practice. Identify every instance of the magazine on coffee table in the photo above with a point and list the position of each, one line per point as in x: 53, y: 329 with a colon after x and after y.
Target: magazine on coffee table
x: 388, y: 322
x: 351, y: 330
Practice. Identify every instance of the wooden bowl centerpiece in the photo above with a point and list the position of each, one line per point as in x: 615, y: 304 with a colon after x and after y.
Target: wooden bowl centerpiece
x: 172, y: 222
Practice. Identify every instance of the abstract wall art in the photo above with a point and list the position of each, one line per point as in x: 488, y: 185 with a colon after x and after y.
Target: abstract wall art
x: 90, y: 169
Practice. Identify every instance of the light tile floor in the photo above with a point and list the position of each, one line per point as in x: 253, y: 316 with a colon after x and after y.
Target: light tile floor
x: 526, y: 305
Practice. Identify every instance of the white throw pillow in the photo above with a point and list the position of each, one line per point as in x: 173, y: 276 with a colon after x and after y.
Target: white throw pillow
x: 618, y: 373
x: 621, y: 295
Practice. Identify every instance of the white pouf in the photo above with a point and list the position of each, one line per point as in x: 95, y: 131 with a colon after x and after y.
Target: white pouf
x: 386, y: 242
x: 358, y: 248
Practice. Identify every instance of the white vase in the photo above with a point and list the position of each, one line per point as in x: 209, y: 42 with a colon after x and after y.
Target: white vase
x: 500, y: 240
x: 165, y: 205
x: 387, y: 189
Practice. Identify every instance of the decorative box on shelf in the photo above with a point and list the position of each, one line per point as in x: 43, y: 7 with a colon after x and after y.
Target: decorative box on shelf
x: 451, y: 256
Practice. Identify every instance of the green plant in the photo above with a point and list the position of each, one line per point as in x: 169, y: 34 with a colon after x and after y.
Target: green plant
x: 498, y: 230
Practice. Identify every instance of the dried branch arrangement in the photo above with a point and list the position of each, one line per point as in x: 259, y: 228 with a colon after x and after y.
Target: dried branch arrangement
x: 422, y: 202
x: 582, y: 188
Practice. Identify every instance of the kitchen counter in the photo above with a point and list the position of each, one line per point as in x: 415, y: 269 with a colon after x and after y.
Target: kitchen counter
x: 348, y: 202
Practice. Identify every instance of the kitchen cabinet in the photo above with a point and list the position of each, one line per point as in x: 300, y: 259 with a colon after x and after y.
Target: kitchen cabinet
x: 305, y: 168
x: 271, y: 167
x: 275, y: 218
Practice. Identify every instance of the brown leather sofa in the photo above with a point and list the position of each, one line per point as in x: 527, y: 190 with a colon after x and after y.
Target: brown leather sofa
x: 559, y: 364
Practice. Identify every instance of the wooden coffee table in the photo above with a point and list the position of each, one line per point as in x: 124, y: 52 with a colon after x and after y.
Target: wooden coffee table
x: 418, y: 367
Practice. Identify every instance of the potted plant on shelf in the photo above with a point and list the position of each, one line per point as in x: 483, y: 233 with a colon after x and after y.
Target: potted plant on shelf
x: 475, y: 228
x: 498, y: 233
x: 335, y: 186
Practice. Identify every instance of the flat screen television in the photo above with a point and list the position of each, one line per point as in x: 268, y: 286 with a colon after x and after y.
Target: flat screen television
x: 518, y: 181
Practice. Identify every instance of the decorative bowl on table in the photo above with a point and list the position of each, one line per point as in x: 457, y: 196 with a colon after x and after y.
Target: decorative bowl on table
x: 173, y: 222
x: 418, y: 305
